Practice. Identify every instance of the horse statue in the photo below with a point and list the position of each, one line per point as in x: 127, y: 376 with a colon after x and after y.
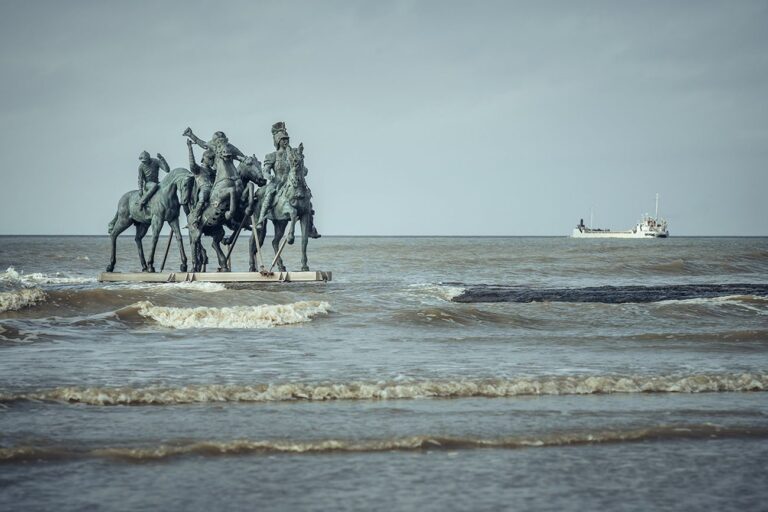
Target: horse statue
x: 292, y: 203
x: 231, y: 204
x: 162, y: 207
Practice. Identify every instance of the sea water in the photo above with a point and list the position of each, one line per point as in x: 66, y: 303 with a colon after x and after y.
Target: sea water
x: 430, y: 374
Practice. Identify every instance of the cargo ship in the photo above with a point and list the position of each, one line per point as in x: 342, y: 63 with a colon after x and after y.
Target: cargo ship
x: 648, y: 227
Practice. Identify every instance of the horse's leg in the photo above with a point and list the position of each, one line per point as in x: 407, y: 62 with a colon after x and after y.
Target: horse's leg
x: 232, y: 204
x: 262, y: 232
x: 203, y: 253
x: 306, y: 225
x: 252, y: 251
x: 177, y: 232
x: 120, y: 225
x: 195, y: 244
x: 248, y: 196
x: 279, y: 231
x: 141, y: 231
x: 196, y: 256
x: 292, y: 229
x: 157, y: 226
x: 217, y: 238
x: 260, y: 235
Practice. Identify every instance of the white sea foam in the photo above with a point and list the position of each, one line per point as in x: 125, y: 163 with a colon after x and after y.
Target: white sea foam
x: 18, y: 293
x: 197, y: 286
x: 754, y: 303
x: 441, y: 291
x: 12, y: 277
x: 725, y: 299
x: 399, y: 389
x: 22, y: 298
x: 38, y: 278
x: 236, y: 317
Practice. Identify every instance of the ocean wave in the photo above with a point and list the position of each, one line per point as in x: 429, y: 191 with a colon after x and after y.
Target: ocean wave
x: 38, y: 278
x: 676, y: 266
x: 393, y: 390
x: 441, y: 291
x: 727, y: 336
x: 22, y: 298
x: 752, y: 304
x: 238, y: 447
x: 235, y: 317
x: 197, y: 286
x: 13, y: 277
x: 17, y: 293
x: 463, y: 316
x: 725, y: 299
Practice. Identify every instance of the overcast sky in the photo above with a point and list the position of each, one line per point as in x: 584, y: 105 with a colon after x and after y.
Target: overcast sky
x: 417, y: 117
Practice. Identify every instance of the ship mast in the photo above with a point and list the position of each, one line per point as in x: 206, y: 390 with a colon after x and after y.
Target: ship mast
x: 657, y: 206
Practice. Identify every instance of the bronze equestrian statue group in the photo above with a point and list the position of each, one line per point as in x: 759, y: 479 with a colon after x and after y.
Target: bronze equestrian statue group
x: 216, y: 194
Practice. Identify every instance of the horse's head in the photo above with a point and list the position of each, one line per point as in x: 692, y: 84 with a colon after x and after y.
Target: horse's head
x: 296, y: 167
x: 183, y: 182
x: 250, y: 170
x: 186, y: 185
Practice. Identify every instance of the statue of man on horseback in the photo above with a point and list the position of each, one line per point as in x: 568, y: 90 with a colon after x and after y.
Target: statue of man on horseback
x: 215, y: 194
x: 276, y: 168
x: 226, y: 183
x: 149, y: 176
x: 204, y: 175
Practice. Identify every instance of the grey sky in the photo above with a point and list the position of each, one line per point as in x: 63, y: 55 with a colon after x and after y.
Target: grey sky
x: 446, y: 118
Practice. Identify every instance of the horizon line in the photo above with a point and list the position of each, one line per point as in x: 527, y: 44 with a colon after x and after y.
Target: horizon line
x: 397, y: 236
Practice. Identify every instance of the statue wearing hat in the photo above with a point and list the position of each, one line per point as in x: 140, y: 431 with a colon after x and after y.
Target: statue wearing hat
x: 223, y: 153
x: 204, y: 176
x: 149, y: 175
x: 276, y: 168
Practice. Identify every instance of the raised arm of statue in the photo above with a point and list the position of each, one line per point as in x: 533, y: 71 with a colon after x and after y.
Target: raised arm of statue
x: 192, y: 164
x: 163, y: 164
x: 197, y: 140
x: 236, y: 153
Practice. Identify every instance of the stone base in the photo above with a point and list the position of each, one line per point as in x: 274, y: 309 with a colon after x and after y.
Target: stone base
x: 213, y: 277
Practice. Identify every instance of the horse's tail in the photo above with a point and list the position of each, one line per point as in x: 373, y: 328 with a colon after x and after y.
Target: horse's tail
x: 111, y: 225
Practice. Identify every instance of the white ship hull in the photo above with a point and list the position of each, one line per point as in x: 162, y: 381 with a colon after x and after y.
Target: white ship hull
x: 648, y: 227
x: 588, y: 233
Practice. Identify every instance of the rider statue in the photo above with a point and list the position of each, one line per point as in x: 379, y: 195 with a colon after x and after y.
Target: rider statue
x: 204, y: 176
x: 276, y: 168
x: 149, y: 175
x: 221, y: 148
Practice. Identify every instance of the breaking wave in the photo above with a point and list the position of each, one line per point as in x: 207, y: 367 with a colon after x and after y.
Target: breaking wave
x: 14, y: 278
x: 22, y: 298
x: 393, y: 390
x: 442, y: 291
x: 235, y: 317
x: 197, y: 286
x: 220, y: 448
x: 16, y: 292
